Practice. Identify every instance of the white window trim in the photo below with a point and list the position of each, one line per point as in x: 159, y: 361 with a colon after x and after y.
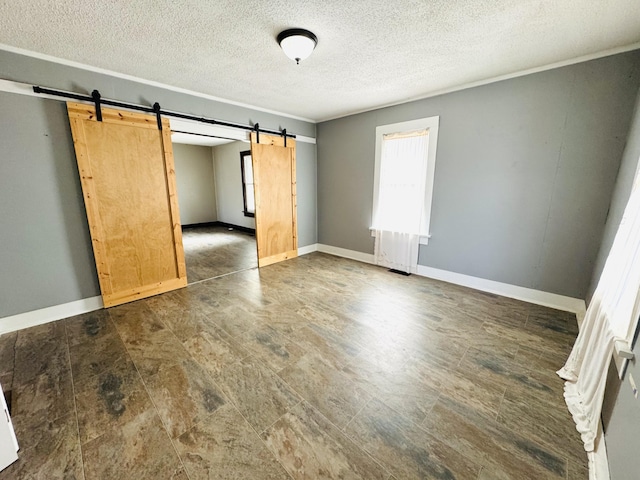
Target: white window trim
x: 431, y: 124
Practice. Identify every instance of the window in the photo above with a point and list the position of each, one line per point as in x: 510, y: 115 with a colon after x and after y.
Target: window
x: 404, y: 172
x: 247, y: 184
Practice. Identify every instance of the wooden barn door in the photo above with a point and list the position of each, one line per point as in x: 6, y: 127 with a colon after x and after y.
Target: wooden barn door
x: 128, y: 182
x: 274, y: 177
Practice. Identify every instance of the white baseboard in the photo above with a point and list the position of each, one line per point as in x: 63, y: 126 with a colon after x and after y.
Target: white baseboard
x: 560, y: 302
x: 49, y: 314
x: 538, y: 297
x: 307, y: 249
x: 546, y: 299
x: 343, y: 252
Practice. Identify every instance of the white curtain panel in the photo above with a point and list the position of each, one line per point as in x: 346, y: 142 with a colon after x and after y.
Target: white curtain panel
x: 397, y: 250
x: 403, y: 174
x: 612, y: 315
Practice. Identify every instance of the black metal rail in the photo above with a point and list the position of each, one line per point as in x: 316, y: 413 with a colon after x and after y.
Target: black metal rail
x: 96, y: 99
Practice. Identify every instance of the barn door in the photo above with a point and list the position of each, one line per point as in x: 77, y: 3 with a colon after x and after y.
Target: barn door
x: 128, y: 182
x: 274, y: 177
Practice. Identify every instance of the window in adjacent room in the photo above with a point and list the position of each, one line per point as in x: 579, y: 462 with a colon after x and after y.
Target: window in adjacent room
x: 247, y: 184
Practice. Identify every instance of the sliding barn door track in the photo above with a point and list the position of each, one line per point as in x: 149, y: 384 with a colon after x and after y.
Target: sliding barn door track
x: 98, y: 101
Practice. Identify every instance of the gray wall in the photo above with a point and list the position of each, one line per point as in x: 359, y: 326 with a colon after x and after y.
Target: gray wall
x: 46, y: 254
x: 524, y: 174
x: 20, y: 68
x: 306, y: 187
x: 621, y: 411
x: 226, y: 161
x: 195, y: 184
x: 620, y: 197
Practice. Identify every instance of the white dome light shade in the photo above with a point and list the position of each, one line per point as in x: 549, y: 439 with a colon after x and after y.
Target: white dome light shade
x: 297, y: 44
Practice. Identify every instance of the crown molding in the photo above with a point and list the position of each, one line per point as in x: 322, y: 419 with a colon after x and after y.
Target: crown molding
x: 124, y: 76
x: 499, y: 78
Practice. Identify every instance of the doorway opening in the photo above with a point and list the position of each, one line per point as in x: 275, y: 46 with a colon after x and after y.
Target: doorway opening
x: 217, y: 233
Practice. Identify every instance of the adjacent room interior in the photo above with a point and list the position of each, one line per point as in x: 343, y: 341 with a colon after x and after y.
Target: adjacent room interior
x: 375, y: 249
x: 218, y: 226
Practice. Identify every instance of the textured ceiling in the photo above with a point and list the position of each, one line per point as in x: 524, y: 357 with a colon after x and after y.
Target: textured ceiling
x: 370, y: 53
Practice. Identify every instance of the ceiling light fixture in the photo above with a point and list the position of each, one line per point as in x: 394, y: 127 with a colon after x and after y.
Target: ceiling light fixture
x: 297, y: 43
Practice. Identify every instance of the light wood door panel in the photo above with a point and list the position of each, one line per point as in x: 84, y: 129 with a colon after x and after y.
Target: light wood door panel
x: 274, y: 177
x: 128, y: 181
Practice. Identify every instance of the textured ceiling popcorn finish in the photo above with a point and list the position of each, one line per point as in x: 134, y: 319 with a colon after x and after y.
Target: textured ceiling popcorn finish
x: 369, y: 54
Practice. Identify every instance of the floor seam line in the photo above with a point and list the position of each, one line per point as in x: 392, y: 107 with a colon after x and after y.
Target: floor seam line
x: 155, y: 407
x: 75, y: 404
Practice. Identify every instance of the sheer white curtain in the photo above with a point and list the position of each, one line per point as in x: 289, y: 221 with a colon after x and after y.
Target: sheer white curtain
x: 612, y: 315
x: 401, y: 199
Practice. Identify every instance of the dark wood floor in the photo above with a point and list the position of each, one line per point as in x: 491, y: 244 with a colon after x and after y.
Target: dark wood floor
x: 314, y: 368
x: 212, y: 251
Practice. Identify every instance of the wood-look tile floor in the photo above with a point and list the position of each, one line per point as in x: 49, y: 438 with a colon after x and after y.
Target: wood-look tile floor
x: 212, y: 251
x: 314, y: 368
